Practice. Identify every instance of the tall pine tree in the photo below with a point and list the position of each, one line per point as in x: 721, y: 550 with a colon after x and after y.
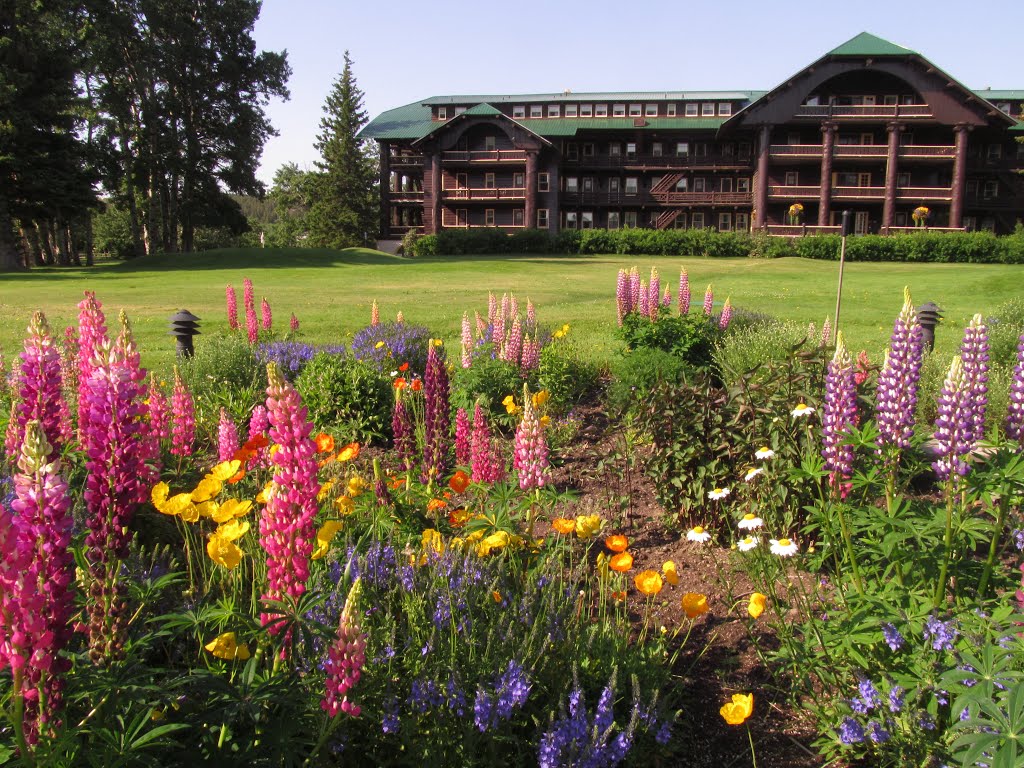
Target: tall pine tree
x: 343, y: 194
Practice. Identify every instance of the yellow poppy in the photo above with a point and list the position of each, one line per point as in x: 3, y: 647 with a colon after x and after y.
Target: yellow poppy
x: 225, y: 470
x: 208, y: 488
x: 621, y: 562
x: 540, y: 398
x: 617, y: 543
x: 694, y: 604
x: 190, y: 514
x: 587, y: 525
x: 231, y: 508
x: 324, y: 537
x: 159, y: 494
x: 356, y: 485
x: 495, y: 541
x: 739, y: 709
x: 671, y: 575
x: 648, y: 582
x: 175, y: 504
x: 324, y: 490
x: 756, y: 605
x: 349, y: 452
x: 563, y: 525
x: 431, y: 541
x: 345, y: 505
x: 267, y: 493
x: 233, y: 530
x: 223, y: 552
x: 207, y: 508
x: 227, y: 647
x: 510, y: 404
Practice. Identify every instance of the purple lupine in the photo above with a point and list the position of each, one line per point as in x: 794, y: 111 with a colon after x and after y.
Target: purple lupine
x: 485, y: 463
x: 839, y: 414
x: 288, y: 525
x: 709, y: 300
x: 461, y: 438
x: 726, y: 316
x: 293, y: 323
x: 183, y: 418
x: 531, y: 450
x: 231, y: 298
x: 92, y: 332
x: 684, y: 291
x: 974, y: 354
x: 436, y: 415
x: 941, y: 633
x: 267, y: 318
x: 405, y: 435
x: 249, y: 300
x: 953, y: 424
x: 39, y: 385
x: 622, y: 297
x: 892, y: 636
x: 511, y: 690
x: 227, y: 437
x: 577, y: 739
x: 896, y: 395
x: 345, y: 658
x: 1015, y: 411
x: 467, y: 341
x: 654, y: 294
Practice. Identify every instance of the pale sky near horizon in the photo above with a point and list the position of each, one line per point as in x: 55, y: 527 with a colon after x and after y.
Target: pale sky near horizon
x: 403, y: 51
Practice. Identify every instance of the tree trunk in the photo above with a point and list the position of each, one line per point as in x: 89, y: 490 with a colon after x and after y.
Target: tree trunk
x: 133, y: 219
x: 45, y: 245
x: 10, y: 256
x: 56, y: 236
x: 90, y: 256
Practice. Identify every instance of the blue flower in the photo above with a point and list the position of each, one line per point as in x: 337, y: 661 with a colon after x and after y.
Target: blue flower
x: 895, y: 699
x: 877, y: 733
x: 892, y: 637
x: 942, y: 634
x: 850, y: 731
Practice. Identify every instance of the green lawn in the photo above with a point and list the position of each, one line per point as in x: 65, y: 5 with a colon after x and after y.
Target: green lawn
x: 331, y: 291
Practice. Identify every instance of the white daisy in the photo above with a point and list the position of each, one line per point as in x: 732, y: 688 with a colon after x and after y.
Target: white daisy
x: 764, y: 453
x: 752, y: 473
x: 750, y: 522
x: 718, y: 493
x: 747, y: 543
x: 802, y: 409
x: 783, y: 547
x: 698, y: 534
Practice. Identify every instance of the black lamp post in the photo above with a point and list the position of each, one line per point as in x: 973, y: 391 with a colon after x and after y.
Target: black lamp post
x: 184, y: 325
x: 929, y: 315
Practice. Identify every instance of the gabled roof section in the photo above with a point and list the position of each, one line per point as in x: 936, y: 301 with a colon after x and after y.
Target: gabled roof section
x: 409, y: 122
x: 482, y: 109
x: 477, y: 110
x: 571, y: 96
x: 866, y: 44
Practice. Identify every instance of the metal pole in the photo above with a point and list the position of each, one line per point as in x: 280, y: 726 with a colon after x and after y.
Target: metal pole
x: 842, y: 263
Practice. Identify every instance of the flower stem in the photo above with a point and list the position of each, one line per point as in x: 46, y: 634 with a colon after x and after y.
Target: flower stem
x: 993, y: 547
x: 753, y: 755
x: 18, y: 718
x: 940, y: 586
x: 849, y: 548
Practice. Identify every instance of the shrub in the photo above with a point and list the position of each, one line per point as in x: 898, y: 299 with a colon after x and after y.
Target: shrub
x: 757, y: 344
x: 690, y: 337
x: 348, y: 395
x: 424, y: 246
x: 566, y: 375
x: 636, y: 375
x: 490, y: 380
x: 386, y: 346
x: 225, y: 372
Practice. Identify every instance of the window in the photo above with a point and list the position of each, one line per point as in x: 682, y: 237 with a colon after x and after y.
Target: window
x: 697, y: 220
x: 588, y: 184
x: 572, y: 184
x: 571, y: 150
x: 543, y: 182
x: 793, y: 179
x: 489, y: 217
x: 586, y: 110
x: 1003, y: 106
x: 868, y: 101
x: 682, y: 149
x: 725, y: 222
x: 683, y: 185
x: 613, y: 219
x: 742, y: 222
x: 725, y: 185
x: 728, y: 149
x: 461, y: 217
x: 670, y: 110
x: 700, y: 149
x: 614, y: 149
x: 635, y: 110
x: 906, y: 139
x: 618, y: 110
x: 587, y: 222
x: 724, y: 109
x: 991, y: 189
x: 518, y: 216
x: 995, y: 151
x: 631, y: 150
x: 519, y: 180
x: 900, y: 219
x: 651, y: 110
x: 554, y: 110
x: 743, y: 185
x: 629, y: 220
x: 656, y: 149
x: 536, y: 110
x: 542, y: 218
x: 691, y: 110
x: 614, y: 184
x: 519, y: 112
x: 902, y: 180
x: 488, y: 181
x: 698, y: 184
x: 680, y: 222
x: 744, y: 150
x: 459, y: 110
x: 970, y: 223
x: 890, y: 100
x: 707, y: 110
x: 570, y: 219
x: 588, y: 149
x: 794, y: 138
x: 461, y: 181
x: 572, y: 110
x: 631, y: 185
x: 867, y: 138
x: 442, y: 113
x: 601, y: 110
x: 490, y: 143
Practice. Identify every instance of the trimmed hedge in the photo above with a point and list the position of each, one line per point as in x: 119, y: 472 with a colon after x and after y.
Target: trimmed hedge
x: 925, y: 246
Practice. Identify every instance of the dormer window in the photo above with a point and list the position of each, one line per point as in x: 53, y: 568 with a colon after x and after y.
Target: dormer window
x: 536, y: 111
x: 519, y: 112
x: 442, y: 113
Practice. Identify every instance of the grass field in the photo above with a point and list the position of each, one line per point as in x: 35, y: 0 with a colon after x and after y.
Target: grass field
x: 331, y: 292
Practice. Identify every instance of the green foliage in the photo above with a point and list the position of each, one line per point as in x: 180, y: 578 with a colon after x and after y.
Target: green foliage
x: 424, y: 246
x: 348, y: 396
x: 112, y: 233
x: 935, y: 247
x: 635, y: 377
x: 224, y: 373
x: 489, y: 380
x: 690, y: 337
x: 290, y: 198
x: 745, y: 348
x: 567, y: 375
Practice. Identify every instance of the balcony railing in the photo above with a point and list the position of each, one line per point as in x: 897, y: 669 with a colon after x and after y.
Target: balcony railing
x: 863, y: 111
x: 498, y: 193
x: 394, y: 160
x: 705, y: 198
x: 938, y: 194
x: 398, y: 196
x: 793, y: 192
x: 647, y: 161
x: 799, y: 230
x: 925, y: 151
x: 904, y: 194
x: 843, y: 151
x: 486, y: 156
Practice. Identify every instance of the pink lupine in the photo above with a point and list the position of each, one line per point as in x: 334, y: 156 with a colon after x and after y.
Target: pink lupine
x: 183, y: 418
x: 654, y: 294
x: 288, y: 525
x: 232, y: 306
x: 65, y: 428
x: 249, y: 299
x: 505, y: 312
x: 159, y: 414
x: 467, y: 341
x: 267, y: 318
x: 709, y: 301
x: 863, y: 368
x: 531, y: 315
x: 492, y: 308
x: 826, y: 333
x: 634, y: 289
x: 481, y: 327
x: 531, y: 354
x: 514, y: 348
x: 39, y: 385
x: 644, y: 306
x: 345, y: 659
x: 259, y: 426
x: 531, y: 450
x: 92, y: 331
x: 227, y: 437
x: 436, y: 436
x: 838, y: 417
x: 666, y: 298
x: 374, y: 313
x: 400, y: 317
x: 462, y: 438
x: 485, y: 464
x: 622, y: 304
x: 12, y: 434
x: 498, y: 333
x: 293, y: 323
x: 684, y: 292
x: 513, y: 306
x: 1015, y: 410
x: 726, y: 316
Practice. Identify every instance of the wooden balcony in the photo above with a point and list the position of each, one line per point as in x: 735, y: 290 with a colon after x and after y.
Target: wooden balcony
x: 705, y: 198
x: 861, y: 151
x: 779, y: 192
x: 864, y: 111
x: 924, y: 194
x: 487, y: 194
x: 407, y: 196
x: 867, y: 194
x: 648, y: 162
x: 485, y: 156
x: 799, y: 230
x: 912, y: 230
x: 405, y: 160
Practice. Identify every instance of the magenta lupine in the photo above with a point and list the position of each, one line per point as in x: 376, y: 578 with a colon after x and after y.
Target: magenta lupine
x: 1015, y: 411
x: 643, y: 308
x: 974, y: 354
x: 227, y: 437
x: 684, y: 292
x: 69, y: 361
x: 514, y: 349
x: 183, y: 418
x: 896, y: 394
x: 293, y: 323
x: 374, y: 313
x: 267, y: 318
x: 159, y: 415
x: 259, y: 425
x: 288, y: 525
x: 436, y: 436
x: 654, y: 294
x: 953, y: 424
x: 462, y: 438
x: 531, y: 449
x: 65, y: 427
x: 231, y: 298
x: 467, y: 341
x: 838, y: 417
x: 826, y: 333
x: 249, y: 300
x: 485, y: 463
x: 726, y: 316
x: 92, y: 332
x: 531, y: 354
x: 345, y: 659
x: 39, y: 385
x: 12, y: 434
x: 863, y: 367
x: 709, y: 301
x: 403, y: 429
x: 622, y: 295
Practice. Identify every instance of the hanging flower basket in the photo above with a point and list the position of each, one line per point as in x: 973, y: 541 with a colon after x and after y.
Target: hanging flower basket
x: 796, y: 213
x: 920, y: 216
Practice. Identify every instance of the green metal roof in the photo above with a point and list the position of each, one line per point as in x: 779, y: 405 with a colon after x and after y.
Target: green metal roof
x: 990, y: 95
x: 866, y: 44
x: 482, y: 109
x: 409, y: 122
x: 623, y: 96
x: 570, y: 126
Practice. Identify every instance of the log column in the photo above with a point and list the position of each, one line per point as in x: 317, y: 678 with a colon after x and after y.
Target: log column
x: 891, y: 172
x: 761, y: 187
x: 384, y: 152
x: 956, y: 208
x: 530, y: 214
x: 828, y: 140
x: 435, y: 192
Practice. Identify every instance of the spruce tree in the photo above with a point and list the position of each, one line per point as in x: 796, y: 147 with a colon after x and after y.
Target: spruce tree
x: 343, y: 194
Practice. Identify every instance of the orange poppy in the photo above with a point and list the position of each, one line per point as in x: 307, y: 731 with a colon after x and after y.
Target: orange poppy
x: 447, y: 495
x: 621, y: 562
x: 458, y: 517
x: 236, y: 477
x: 417, y: 385
x: 349, y: 452
x: 497, y: 596
x: 617, y: 543
x: 244, y: 455
x: 563, y: 525
x: 396, y: 483
x: 400, y: 383
x: 619, y: 596
x: 459, y: 482
x: 648, y: 582
x: 327, y: 460
x: 256, y: 442
x: 324, y: 443
x: 694, y: 604
x: 403, y: 367
x: 435, y: 504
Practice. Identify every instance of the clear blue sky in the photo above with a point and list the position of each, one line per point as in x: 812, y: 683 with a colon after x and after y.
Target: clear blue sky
x: 404, y: 51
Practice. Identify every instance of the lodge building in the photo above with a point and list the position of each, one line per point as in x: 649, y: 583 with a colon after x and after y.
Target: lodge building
x: 870, y: 127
